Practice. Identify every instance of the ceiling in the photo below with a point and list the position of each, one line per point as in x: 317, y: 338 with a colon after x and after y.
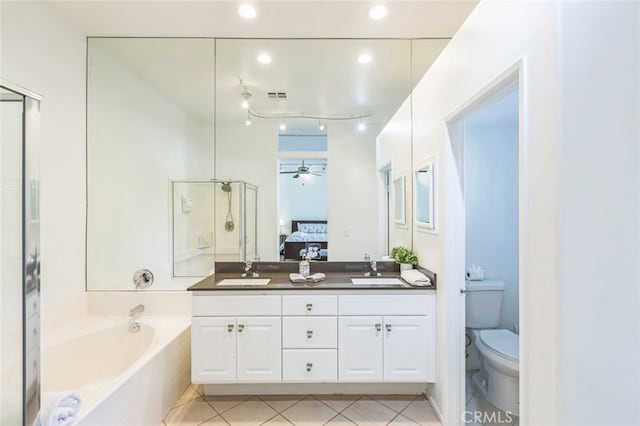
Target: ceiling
x: 286, y: 19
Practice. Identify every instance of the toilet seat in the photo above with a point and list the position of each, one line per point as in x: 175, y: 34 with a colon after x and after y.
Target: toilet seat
x: 502, y: 343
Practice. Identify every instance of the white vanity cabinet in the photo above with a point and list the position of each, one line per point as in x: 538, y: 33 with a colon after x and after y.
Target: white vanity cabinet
x: 397, y: 346
x: 239, y: 349
x: 313, y: 337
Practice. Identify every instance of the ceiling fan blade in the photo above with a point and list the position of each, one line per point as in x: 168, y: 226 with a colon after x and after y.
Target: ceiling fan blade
x: 288, y: 173
x: 315, y: 173
x: 296, y: 176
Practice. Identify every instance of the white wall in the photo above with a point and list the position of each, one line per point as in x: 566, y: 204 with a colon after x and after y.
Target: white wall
x: 599, y: 248
x: 578, y: 292
x: 138, y: 141
x: 42, y: 52
x: 491, y: 207
x: 494, y: 37
x: 394, y: 148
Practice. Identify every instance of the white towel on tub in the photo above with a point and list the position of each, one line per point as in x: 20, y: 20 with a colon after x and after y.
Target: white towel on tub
x: 58, y: 409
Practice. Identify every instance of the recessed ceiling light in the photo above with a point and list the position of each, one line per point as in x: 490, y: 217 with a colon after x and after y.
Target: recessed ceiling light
x: 378, y: 12
x: 283, y: 127
x: 247, y: 11
x: 248, y: 122
x: 362, y: 127
x: 321, y: 127
x: 365, y: 58
x: 263, y: 58
x: 245, y: 104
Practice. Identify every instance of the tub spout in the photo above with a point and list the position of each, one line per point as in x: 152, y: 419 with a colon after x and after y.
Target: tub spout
x: 138, y: 310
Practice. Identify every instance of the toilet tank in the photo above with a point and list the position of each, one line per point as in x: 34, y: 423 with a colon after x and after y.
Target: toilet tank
x: 484, y: 303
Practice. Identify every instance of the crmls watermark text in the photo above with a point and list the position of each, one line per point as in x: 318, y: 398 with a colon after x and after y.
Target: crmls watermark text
x: 483, y: 417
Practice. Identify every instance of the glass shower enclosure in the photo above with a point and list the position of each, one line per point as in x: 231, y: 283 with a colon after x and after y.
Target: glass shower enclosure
x: 212, y: 220
x: 19, y: 256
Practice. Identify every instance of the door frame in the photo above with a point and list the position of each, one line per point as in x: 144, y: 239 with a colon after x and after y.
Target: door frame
x: 515, y: 75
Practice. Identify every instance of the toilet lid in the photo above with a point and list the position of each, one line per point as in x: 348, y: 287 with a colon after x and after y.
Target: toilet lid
x: 503, y: 342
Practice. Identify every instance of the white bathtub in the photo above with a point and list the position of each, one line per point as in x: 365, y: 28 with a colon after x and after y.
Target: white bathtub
x: 124, y: 378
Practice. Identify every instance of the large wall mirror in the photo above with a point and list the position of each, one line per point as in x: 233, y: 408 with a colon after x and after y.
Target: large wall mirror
x: 203, y: 150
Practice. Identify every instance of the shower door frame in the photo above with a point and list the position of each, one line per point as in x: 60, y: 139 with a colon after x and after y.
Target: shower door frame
x: 30, y: 405
x: 243, y: 228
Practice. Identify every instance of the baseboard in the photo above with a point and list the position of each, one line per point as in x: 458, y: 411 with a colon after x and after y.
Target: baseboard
x: 315, y: 388
x: 435, y: 407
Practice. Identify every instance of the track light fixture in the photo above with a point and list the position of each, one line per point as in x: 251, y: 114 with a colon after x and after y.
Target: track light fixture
x: 246, y: 94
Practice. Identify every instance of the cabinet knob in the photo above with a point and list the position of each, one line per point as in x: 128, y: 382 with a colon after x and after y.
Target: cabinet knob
x: 230, y: 328
x: 388, y: 327
x: 309, y: 334
x: 378, y: 327
x: 309, y: 306
x: 309, y: 365
x: 240, y: 328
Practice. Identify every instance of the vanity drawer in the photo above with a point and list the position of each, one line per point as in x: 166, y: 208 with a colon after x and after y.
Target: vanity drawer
x: 310, y: 305
x: 310, y: 365
x: 234, y: 306
x: 417, y: 304
x: 309, y: 332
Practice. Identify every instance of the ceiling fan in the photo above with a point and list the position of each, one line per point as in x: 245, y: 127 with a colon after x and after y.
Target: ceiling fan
x: 302, y: 171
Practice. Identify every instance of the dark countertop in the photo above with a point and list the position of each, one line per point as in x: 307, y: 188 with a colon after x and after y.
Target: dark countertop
x: 338, y: 277
x: 280, y: 281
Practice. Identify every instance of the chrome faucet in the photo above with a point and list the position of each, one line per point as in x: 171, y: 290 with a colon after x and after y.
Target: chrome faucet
x: 373, y: 270
x: 138, y: 310
x: 248, y: 270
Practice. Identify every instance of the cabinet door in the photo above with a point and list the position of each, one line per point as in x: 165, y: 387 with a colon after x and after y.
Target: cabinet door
x: 213, y: 349
x: 360, y: 349
x: 259, y: 349
x: 407, y: 349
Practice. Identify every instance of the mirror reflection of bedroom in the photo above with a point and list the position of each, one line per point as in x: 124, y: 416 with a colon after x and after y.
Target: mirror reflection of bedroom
x: 303, y: 209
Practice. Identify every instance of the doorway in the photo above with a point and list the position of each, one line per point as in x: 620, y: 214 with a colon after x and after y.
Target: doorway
x: 488, y: 148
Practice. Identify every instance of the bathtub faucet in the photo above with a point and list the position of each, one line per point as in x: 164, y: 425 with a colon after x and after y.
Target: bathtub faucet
x: 138, y: 310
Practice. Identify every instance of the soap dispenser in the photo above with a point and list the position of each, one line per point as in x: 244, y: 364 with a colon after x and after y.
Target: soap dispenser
x: 305, y: 267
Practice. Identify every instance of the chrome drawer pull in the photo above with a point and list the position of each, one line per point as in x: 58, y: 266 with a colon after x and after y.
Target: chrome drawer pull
x: 309, y: 306
x: 230, y: 328
x: 378, y: 327
x: 309, y: 334
x: 388, y: 326
x: 240, y: 328
x: 309, y: 365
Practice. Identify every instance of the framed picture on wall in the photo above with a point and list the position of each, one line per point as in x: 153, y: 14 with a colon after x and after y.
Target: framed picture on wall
x: 424, y: 195
x: 399, y: 202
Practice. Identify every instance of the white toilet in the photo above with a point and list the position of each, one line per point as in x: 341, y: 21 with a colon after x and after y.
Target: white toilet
x: 498, y: 378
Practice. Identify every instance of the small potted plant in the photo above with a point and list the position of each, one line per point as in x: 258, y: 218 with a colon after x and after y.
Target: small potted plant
x: 405, y: 257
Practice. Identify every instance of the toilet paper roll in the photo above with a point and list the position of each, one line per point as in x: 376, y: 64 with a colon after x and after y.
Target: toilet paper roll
x: 475, y: 273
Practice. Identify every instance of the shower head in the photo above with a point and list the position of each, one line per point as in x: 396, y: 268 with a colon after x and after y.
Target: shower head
x: 226, y: 186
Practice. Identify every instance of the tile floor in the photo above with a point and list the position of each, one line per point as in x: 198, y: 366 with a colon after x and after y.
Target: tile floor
x: 193, y: 408
x: 477, y: 403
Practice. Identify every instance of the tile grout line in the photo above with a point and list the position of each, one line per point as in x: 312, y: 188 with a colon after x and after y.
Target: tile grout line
x: 224, y: 411
x: 270, y: 418
x: 345, y: 408
x: 189, y: 400
x: 399, y: 413
x: 293, y: 405
x: 278, y: 411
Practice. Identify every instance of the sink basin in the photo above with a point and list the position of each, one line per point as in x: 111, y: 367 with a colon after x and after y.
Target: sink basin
x: 377, y: 281
x: 244, y: 281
